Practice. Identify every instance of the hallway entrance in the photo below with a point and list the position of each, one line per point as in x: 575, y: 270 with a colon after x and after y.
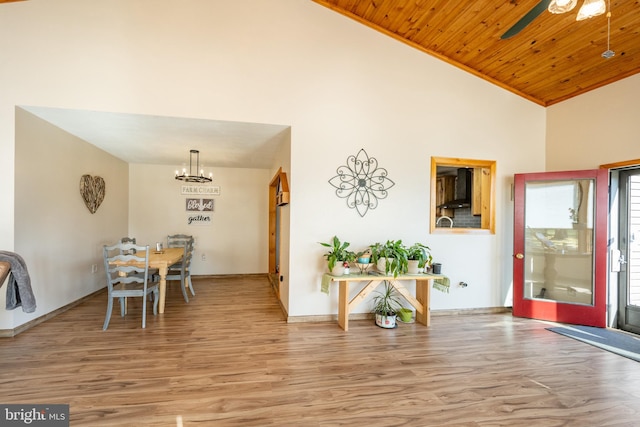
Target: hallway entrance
x: 626, y: 259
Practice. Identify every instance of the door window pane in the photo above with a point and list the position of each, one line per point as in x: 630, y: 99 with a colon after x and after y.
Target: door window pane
x: 559, y: 241
x: 634, y: 241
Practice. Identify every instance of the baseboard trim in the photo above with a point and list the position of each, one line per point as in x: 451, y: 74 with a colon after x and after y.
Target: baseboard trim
x: 471, y: 311
x: 9, y: 333
x: 223, y: 276
x: 434, y: 313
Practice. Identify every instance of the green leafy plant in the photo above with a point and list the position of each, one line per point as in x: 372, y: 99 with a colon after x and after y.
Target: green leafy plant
x: 395, y: 254
x: 338, y: 252
x: 421, y: 253
x: 386, y: 302
x: 376, y: 250
x: 349, y: 257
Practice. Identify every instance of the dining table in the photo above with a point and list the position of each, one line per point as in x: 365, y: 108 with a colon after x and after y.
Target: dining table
x: 161, y: 260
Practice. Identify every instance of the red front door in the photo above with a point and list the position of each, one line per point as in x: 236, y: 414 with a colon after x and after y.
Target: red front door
x: 560, y: 246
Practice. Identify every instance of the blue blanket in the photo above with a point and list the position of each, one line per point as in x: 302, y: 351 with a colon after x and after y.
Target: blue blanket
x: 19, y: 292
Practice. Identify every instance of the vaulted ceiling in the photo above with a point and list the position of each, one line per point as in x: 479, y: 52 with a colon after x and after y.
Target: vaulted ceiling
x: 552, y: 59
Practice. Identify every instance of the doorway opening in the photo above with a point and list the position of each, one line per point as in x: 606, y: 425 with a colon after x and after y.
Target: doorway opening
x: 278, y: 197
x: 624, y: 254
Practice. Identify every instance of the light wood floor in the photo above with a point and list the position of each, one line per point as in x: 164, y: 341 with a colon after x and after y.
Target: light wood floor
x: 229, y: 359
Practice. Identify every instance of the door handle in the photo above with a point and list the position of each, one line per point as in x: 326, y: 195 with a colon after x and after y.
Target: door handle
x: 519, y: 255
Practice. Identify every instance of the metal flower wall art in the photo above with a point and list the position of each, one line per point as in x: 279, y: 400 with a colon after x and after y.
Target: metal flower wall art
x: 361, y: 182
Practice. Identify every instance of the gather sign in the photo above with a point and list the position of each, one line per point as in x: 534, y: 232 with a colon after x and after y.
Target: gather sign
x: 199, y: 220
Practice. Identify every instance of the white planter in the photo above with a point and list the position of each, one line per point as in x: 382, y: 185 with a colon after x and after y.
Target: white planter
x: 338, y: 269
x: 413, y: 267
x: 386, y: 321
x: 381, y: 264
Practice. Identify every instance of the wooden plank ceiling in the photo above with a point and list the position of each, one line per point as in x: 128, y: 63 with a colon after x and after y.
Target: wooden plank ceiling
x: 553, y: 59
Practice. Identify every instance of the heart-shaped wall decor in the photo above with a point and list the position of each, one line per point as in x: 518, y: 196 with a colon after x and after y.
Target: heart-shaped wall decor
x: 92, y: 190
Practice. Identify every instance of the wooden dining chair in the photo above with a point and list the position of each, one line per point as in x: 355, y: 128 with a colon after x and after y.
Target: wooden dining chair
x: 181, y: 271
x: 129, y: 240
x: 5, y: 269
x: 128, y: 276
x: 178, y: 240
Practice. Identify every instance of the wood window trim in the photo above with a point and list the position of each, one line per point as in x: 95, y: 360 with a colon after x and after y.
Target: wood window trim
x: 623, y: 164
x: 488, y: 220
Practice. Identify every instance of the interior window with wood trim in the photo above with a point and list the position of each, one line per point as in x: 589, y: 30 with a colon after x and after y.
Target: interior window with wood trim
x: 462, y: 196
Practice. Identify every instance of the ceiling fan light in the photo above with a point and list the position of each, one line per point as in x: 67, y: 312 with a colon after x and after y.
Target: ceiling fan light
x: 591, y: 8
x: 562, y: 6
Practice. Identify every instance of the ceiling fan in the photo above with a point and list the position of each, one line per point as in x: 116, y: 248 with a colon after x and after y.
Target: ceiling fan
x: 589, y: 9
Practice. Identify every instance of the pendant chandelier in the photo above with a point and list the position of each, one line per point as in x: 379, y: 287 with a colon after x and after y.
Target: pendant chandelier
x: 198, y: 176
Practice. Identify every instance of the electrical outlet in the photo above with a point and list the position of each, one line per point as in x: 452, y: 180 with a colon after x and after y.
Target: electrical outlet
x: 204, y: 256
x: 94, y: 268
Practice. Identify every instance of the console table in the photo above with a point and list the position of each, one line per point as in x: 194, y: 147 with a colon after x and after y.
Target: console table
x: 420, y: 302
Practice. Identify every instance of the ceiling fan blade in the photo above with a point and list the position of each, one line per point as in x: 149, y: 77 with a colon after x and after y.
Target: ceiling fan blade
x: 526, y: 19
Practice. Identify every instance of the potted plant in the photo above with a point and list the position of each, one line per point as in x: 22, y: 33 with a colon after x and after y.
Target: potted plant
x: 385, y: 306
x: 405, y: 315
x: 418, y: 256
x: 364, y: 257
x: 338, y: 255
x: 349, y: 257
x: 390, y: 258
x: 376, y: 251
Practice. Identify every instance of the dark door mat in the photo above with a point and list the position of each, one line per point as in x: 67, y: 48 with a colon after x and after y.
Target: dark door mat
x: 607, y: 339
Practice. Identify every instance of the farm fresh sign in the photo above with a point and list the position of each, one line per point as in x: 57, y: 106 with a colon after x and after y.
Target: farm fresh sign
x: 200, y: 190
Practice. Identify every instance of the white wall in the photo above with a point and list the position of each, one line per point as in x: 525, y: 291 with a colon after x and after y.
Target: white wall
x: 340, y: 86
x: 56, y: 234
x: 596, y: 128
x: 235, y: 240
x: 403, y: 107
